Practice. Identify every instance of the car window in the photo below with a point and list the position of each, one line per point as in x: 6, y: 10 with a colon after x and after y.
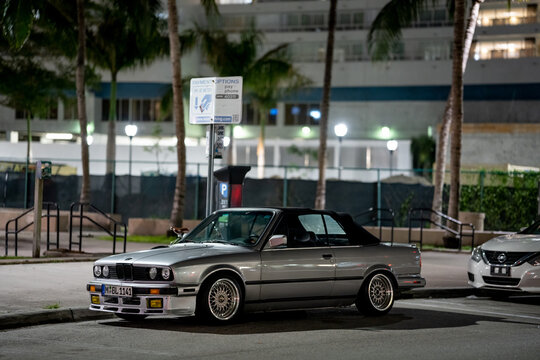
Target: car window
x: 314, y: 223
x: 234, y: 227
x: 336, y: 235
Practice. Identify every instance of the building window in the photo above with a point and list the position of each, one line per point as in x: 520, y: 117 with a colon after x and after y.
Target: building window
x: 511, y: 49
x: 50, y: 114
x: 505, y: 16
x: 22, y: 114
x: 70, y: 109
x: 302, y: 114
x: 148, y: 110
x: 250, y: 118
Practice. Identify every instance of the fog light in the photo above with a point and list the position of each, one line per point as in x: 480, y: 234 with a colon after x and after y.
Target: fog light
x: 155, y: 303
x: 94, y: 299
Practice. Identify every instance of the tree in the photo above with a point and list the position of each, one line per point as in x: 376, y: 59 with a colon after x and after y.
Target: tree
x: 25, y: 45
x: 385, y: 32
x: 320, y: 196
x: 81, y: 101
x: 265, y: 76
x: 123, y: 34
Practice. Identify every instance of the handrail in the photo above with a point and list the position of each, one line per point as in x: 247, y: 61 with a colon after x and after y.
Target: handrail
x: 428, y: 218
x: 81, y: 216
x: 376, y: 217
x: 47, y: 215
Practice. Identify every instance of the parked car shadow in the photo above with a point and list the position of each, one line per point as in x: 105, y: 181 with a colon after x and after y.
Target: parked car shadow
x: 312, y: 320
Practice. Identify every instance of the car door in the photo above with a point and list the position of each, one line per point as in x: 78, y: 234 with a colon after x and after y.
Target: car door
x: 304, y: 269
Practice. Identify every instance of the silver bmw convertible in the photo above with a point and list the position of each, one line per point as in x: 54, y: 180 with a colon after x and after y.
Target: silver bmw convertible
x: 258, y: 259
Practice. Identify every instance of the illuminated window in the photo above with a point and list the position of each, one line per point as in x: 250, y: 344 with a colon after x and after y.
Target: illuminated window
x: 511, y: 49
x: 514, y: 16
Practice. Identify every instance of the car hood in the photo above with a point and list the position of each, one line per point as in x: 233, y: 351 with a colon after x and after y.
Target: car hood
x: 170, y: 255
x: 514, y: 243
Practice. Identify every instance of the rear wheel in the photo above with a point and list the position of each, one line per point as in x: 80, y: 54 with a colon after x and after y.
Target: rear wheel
x: 131, y: 317
x: 376, y: 296
x: 220, y: 300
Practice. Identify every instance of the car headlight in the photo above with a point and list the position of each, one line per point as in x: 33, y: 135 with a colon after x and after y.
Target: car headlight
x: 165, y: 273
x: 97, y: 270
x: 535, y: 261
x: 477, y: 254
x: 105, y: 271
x: 152, y: 273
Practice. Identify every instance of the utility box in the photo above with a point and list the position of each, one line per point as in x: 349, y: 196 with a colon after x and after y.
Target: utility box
x: 230, y: 185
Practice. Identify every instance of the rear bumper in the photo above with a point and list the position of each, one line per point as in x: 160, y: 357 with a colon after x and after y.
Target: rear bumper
x: 410, y: 281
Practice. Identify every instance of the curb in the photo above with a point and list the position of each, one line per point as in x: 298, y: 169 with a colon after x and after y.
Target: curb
x: 22, y: 319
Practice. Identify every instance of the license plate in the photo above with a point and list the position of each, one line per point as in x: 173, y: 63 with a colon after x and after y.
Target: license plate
x: 500, y: 270
x: 116, y: 290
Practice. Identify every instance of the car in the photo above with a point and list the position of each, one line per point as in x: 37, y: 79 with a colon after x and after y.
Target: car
x: 508, y: 262
x: 258, y: 259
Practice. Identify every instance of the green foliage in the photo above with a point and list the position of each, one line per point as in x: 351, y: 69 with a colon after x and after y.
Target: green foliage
x: 509, y: 200
x: 150, y: 239
x: 52, y: 306
x: 156, y: 149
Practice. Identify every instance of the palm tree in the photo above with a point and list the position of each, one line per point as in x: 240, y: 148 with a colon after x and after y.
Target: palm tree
x: 123, y: 34
x: 320, y: 196
x: 385, y: 32
x: 81, y: 101
x: 264, y: 76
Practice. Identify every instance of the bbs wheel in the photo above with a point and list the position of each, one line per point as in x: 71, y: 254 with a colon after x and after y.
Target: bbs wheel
x: 376, y: 296
x: 220, y: 300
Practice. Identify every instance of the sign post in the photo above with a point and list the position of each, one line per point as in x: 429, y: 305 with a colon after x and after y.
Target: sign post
x: 214, y: 100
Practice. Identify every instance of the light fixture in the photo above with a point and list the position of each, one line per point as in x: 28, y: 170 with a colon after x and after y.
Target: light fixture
x: 89, y: 139
x: 226, y: 141
x: 59, y: 136
x: 131, y: 130
x: 306, y: 130
x: 316, y: 114
x: 385, y: 132
x: 341, y: 130
x: 392, y: 145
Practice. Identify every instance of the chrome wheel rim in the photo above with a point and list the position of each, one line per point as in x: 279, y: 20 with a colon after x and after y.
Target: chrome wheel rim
x: 223, y: 299
x: 381, y: 292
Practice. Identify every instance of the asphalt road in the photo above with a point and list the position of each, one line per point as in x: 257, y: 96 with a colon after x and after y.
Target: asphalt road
x: 462, y: 328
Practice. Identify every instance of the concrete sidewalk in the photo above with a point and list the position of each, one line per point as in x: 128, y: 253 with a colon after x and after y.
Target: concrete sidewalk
x: 46, y: 290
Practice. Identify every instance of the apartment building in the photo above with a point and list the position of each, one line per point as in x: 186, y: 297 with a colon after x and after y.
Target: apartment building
x: 398, y: 99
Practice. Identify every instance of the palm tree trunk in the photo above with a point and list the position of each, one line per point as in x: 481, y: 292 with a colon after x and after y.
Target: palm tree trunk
x: 442, y: 143
x: 26, y: 172
x: 177, y: 212
x: 111, y: 130
x: 320, y: 196
x: 260, y: 145
x: 457, y: 107
x: 81, y: 103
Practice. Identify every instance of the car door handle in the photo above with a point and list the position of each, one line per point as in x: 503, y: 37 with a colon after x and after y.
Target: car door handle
x: 327, y: 256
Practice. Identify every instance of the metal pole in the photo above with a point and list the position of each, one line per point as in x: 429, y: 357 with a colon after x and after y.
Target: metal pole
x: 339, y: 156
x: 129, y: 179
x: 391, y: 155
x: 210, y: 178
x: 285, y: 188
x: 197, y: 185
x: 38, y: 198
x: 378, y: 196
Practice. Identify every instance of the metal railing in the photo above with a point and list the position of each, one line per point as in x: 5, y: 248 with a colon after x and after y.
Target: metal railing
x: 376, y: 218
x: 425, y: 215
x: 82, y: 216
x: 48, y: 215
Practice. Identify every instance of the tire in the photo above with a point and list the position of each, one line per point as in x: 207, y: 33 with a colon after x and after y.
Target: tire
x: 221, y: 300
x: 131, y: 317
x: 376, y: 296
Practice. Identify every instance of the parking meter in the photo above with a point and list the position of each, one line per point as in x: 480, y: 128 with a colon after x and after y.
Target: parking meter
x: 229, y: 186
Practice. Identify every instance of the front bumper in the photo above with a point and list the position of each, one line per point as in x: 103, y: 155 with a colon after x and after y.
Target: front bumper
x: 155, y: 300
x: 524, y: 277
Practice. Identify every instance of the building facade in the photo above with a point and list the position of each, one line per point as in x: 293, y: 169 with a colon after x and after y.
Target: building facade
x: 398, y: 99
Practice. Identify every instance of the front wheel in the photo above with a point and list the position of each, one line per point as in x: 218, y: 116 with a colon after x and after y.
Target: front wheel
x: 220, y: 300
x: 377, y: 295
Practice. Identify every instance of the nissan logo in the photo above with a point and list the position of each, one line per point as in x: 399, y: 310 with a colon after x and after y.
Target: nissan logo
x: 501, y: 258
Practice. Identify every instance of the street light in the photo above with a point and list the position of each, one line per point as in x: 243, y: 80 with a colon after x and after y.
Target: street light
x: 340, y: 130
x: 392, y: 146
x: 131, y: 131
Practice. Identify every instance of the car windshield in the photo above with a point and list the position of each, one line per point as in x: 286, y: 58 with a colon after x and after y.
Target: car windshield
x: 231, y: 227
x: 533, y: 229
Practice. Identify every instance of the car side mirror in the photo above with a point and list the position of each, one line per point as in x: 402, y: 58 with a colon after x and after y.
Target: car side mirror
x: 277, y: 241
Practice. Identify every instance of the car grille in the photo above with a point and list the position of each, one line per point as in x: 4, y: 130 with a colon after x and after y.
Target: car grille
x: 127, y: 272
x: 500, y: 280
x: 512, y: 258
